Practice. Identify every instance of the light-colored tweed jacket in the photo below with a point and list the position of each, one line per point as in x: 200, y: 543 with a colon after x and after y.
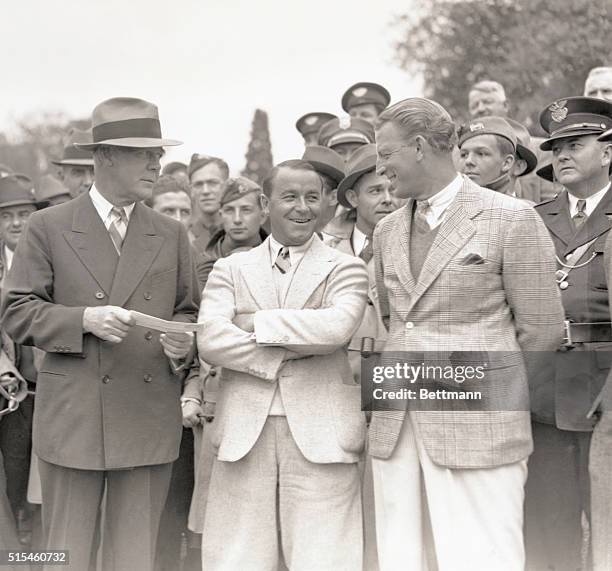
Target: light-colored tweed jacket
x: 487, y: 285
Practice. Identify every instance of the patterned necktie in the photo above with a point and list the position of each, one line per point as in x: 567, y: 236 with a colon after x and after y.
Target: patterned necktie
x: 283, y: 263
x: 420, y: 216
x: 367, y: 252
x: 118, y: 227
x: 580, y: 217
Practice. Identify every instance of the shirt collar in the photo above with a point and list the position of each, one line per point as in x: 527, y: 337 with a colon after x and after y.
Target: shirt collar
x: 358, y: 240
x: 296, y: 253
x: 103, y: 206
x: 439, y: 202
x: 8, y: 256
x: 591, y: 202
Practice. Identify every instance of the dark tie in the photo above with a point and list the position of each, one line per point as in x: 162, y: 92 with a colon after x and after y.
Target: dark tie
x: 367, y: 252
x: 118, y: 227
x: 283, y: 263
x: 580, y: 217
x: 420, y: 216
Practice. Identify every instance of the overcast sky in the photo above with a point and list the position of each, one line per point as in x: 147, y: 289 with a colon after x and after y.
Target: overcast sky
x: 207, y: 64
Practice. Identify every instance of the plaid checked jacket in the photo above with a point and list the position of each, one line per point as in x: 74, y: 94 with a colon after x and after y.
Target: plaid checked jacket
x: 487, y: 285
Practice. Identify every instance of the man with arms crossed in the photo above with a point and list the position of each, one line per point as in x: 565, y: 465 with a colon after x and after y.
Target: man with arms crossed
x: 288, y: 424
x: 107, y: 399
x: 459, y: 268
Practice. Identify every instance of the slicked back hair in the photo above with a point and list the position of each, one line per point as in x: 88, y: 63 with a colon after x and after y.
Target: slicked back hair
x: 293, y: 164
x: 490, y: 86
x: 420, y: 116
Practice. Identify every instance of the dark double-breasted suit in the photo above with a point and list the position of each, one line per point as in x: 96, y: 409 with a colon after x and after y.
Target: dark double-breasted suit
x: 100, y: 406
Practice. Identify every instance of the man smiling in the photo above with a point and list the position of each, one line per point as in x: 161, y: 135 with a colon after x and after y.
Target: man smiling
x: 288, y: 424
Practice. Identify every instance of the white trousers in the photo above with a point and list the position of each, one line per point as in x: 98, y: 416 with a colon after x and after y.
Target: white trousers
x: 468, y: 519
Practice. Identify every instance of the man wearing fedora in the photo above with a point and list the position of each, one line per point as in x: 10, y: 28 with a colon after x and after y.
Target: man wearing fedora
x: 76, y: 165
x: 564, y: 390
x: 17, y: 204
x: 52, y: 191
x: 107, y: 414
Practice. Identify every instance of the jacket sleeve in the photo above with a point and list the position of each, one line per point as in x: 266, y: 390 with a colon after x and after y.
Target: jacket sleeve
x: 323, y: 330
x: 29, y: 314
x: 224, y: 344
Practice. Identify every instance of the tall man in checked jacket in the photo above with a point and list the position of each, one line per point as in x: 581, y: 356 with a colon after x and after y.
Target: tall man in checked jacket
x: 459, y: 268
x: 564, y: 393
x: 107, y: 405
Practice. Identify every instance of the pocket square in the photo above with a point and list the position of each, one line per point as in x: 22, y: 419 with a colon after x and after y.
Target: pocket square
x: 472, y: 260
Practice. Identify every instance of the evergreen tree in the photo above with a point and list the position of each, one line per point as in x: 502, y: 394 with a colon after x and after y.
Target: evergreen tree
x: 259, y: 154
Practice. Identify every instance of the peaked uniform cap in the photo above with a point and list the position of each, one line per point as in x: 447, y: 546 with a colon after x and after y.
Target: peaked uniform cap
x: 77, y: 156
x: 325, y: 160
x: 365, y: 92
x: 575, y: 116
x: 126, y: 122
x: 346, y: 130
x: 361, y: 161
x: 312, y: 122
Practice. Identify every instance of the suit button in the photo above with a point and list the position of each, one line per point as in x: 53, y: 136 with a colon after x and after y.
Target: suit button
x: 409, y: 325
x: 99, y: 295
x: 147, y: 295
x: 148, y: 378
x: 148, y: 336
x: 106, y: 379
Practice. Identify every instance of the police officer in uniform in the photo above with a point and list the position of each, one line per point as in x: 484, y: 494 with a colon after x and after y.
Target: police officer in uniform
x: 365, y: 100
x: 308, y: 126
x: 346, y: 134
x: 565, y: 388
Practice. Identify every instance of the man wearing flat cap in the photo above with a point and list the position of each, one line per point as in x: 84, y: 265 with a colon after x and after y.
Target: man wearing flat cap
x: 489, y: 151
x: 76, y: 164
x: 565, y: 389
x: 346, y: 134
x: 330, y: 167
x: 107, y: 406
x: 17, y: 204
x: 365, y: 100
x: 308, y: 126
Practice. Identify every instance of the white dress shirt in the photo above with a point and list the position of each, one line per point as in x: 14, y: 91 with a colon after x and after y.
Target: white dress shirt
x: 591, y: 202
x: 8, y: 256
x: 358, y: 240
x: 439, y: 202
x: 103, y: 207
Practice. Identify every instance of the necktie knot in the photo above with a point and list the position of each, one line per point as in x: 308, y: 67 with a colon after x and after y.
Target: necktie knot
x: 580, y: 217
x: 421, y: 213
x: 118, y: 227
x: 119, y: 214
x: 283, y: 262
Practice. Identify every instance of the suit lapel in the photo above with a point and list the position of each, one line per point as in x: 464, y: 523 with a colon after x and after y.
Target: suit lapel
x: 314, y: 267
x: 91, y: 243
x: 596, y: 224
x: 257, y: 274
x: 400, y: 248
x: 140, y: 248
x: 456, y: 229
x: 556, y: 217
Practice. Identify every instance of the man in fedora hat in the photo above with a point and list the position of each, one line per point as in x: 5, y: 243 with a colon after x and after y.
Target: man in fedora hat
x: 107, y: 414
x: 308, y: 126
x: 330, y: 167
x: 76, y: 164
x: 564, y: 390
x: 17, y: 204
x: 52, y: 191
x: 365, y: 100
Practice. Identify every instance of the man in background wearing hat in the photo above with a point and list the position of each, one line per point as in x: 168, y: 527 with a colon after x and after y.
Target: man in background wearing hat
x: 488, y: 154
x: 17, y: 204
x: 600, y: 457
x: 176, y: 170
x: 330, y: 167
x: 78, y: 271
x: 206, y: 176
x: 564, y: 390
x: 77, y: 166
x: 288, y: 424
x: 346, y: 134
x: 365, y: 100
x: 308, y: 126
x: 52, y: 191
x: 599, y: 83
